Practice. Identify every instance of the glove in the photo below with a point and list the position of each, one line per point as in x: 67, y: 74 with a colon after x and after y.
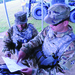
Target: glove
x: 8, y: 54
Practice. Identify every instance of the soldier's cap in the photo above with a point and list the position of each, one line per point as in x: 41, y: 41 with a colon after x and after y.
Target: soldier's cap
x: 57, y: 13
x: 21, y: 17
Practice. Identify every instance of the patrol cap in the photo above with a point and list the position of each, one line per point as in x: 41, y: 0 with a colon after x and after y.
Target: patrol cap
x: 57, y: 13
x: 20, y: 17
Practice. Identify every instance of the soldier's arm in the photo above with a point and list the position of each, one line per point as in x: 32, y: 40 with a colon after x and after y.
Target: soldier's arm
x: 35, y: 32
x: 68, y: 56
x: 35, y: 42
x: 40, y: 72
x: 7, y: 40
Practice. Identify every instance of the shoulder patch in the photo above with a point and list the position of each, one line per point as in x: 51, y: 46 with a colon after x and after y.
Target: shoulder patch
x: 6, y: 33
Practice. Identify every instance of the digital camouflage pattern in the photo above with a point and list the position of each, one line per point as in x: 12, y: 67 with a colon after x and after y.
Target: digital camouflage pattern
x: 50, y: 42
x: 21, y: 17
x: 14, y: 38
x: 57, y: 13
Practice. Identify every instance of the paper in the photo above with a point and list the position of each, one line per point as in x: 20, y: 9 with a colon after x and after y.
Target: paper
x: 12, y: 65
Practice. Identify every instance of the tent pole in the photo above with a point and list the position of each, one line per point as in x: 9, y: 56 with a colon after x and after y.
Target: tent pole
x: 42, y: 13
x: 6, y: 13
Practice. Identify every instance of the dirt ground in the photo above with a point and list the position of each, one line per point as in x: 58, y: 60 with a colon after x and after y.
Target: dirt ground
x: 1, y: 47
x: 1, y: 53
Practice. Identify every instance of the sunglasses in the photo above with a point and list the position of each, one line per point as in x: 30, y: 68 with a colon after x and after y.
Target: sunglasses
x: 61, y: 22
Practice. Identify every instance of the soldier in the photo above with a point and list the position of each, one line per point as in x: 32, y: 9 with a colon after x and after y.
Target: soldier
x: 57, y: 44
x: 20, y: 32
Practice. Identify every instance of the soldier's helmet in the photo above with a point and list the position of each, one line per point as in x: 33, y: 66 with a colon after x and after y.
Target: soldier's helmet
x: 21, y: 17
x: 57, y: 13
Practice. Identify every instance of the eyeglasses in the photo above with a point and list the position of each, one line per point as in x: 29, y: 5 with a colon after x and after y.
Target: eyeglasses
x: 57, y: 23
x: 61, y: 22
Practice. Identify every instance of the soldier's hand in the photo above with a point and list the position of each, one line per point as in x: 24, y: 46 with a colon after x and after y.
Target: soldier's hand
x: 27, y: 71
x: 21, y: 55
x: 8, y: 54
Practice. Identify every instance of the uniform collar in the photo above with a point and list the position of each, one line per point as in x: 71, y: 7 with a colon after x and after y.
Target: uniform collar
x: 61, y: 34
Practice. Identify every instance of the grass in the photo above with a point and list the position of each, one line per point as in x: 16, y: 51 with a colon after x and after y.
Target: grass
x: 37, y: 23
x: 73, y: 26
x: 13, y: 7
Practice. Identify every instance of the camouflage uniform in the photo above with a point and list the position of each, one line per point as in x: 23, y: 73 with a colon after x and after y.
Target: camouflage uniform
x: 50, y: 42
x: 14, y: 38
x: 56, y: 45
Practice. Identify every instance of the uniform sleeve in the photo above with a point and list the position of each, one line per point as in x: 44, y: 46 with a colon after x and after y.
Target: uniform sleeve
x: 35, y: 42
x: 35, y: 32
x: 33, y: 29
x: 68, y: 57
x: 40, y: 72
x: 7, y: 40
